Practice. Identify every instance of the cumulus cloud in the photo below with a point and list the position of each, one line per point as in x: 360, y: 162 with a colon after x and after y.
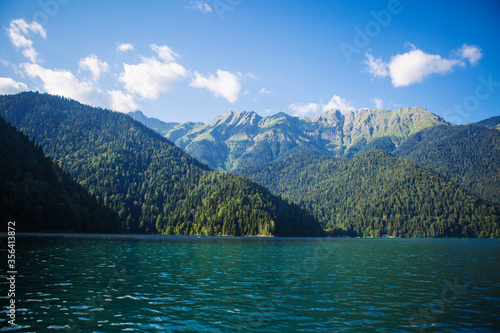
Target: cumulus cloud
x: 150, y: 77
x: 415, y: 65
x: 124, y: 47
x: 301, y: 110
x: 122, y: 102
x: 202, y: 6
x: 470, y: 52
x: 17, y: 32
x: 64, y: 83
x: 94, y: 65
x: 9, y: 86
x: 339, y: 103
x: 378, y: 102
x: 225, y: 84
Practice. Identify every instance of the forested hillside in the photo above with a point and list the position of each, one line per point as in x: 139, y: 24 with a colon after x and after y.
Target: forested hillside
x: 467, y: 154
x: 150, y: 183
x: 39, y: 196
x: 377, y: 194
x: 492, y: 123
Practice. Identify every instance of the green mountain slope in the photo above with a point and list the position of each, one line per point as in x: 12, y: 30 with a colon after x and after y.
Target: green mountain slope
x: 467, y: 154
x: 39, y: 196
x: 492, y: 123
x: 152, y: 185
x: 378, y: 194
x: 244, y: 138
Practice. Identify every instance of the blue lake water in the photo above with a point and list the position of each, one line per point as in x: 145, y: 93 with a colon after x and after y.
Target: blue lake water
x: 82, y: 283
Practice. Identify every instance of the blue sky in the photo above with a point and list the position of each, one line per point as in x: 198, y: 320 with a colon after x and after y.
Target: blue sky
x: 188, y: 60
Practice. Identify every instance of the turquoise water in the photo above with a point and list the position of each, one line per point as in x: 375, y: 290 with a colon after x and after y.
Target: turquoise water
x: 185, y: 284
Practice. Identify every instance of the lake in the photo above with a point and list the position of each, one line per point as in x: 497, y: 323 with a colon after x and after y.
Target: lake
x: 89, y: 283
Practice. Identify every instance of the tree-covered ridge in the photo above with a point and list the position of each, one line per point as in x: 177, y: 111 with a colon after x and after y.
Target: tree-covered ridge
x: 237, y: 139
x: 492, y: 123
x: 39, y: 196
x: 467, y: 154
x: 152, y: 185
x: 378, y: 194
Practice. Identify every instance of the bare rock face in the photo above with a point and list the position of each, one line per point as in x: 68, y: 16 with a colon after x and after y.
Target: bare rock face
x: 243, y: 138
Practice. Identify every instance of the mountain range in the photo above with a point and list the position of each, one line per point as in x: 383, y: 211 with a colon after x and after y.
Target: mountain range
x: 373, y: 173
x: 237, y: 139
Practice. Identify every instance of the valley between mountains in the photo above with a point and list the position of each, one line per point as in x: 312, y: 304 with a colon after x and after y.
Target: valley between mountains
x: 369, y: 173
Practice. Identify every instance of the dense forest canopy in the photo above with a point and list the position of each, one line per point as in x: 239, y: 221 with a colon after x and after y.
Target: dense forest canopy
x: 39, y: 196
x: 467, y: 154
x: 151, y: 184
x: 377, y: 194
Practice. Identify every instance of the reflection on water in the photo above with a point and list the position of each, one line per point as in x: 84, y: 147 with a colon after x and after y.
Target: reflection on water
x: 174, y: 284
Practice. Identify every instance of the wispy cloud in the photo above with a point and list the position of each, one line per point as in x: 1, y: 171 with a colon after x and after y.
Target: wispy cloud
x: 301, y: 110
x: 9, y: 86
x: 202, y: 6
x: 225, y: 84
x: 379, y: 104
x: 164, y: 52
x: 264, y: 91
x: 335, y: 103
x: 415, y: 65
x: 17, y: 32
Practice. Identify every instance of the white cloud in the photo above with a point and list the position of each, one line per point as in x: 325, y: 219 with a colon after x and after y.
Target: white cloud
x: 225, y: 84
x: 94, y: 65
x: 471, y: 53
x: 64, y: 83
x: 124, y: 47
x: 202, y: 6
x: 264, y: 91
x: 150, y: 77
x: 249, y: 75
x: 338, y: 103
x: 335, y: 103
x: 376, y: 67
x: 164, y: 52
x: 9, y: 86
x: 17, y: 33
x: 378, y: 102
x: 122, y: 102
x: 301, y: 110
x: 415, y: 65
